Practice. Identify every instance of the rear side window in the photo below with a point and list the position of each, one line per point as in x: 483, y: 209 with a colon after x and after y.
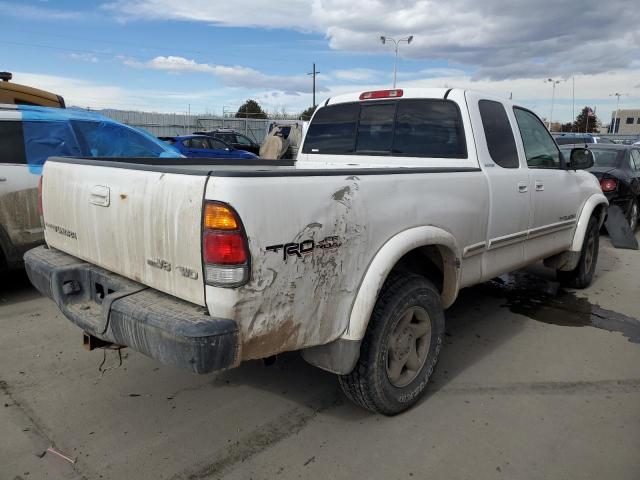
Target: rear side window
x: 416, y: 128
x: 12, y: 143
x: 497, y: 131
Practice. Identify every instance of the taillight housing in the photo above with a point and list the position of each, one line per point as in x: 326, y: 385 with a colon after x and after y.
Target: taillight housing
x: 608, y: 184
x: 225, y: 250
x: 40, y: 211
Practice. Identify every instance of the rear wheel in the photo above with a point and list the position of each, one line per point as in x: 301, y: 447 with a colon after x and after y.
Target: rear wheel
x: 633, y: 214
x: 400, y: 349
x: 582, y: 275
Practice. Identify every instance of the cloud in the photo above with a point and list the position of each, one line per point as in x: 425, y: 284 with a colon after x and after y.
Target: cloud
x: 232, y: 76
x: 497, y: 39
x: 248, y: 13
x: 84, y: 57
x: 356, y: 75
x: 31, y: 12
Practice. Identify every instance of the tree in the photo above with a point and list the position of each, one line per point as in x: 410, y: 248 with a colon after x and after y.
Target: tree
x: 580, y: 125
x: 250, y: 109
x: 306, y: 115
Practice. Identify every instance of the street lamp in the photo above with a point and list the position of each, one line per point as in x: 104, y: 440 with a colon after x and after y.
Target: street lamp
x: 396, y: 44
x: 615, y: 117
x: 553, y: 97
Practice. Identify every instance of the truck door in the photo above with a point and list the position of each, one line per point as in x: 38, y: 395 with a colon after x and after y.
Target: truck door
x: 555, y: 194
x: 494, y: 131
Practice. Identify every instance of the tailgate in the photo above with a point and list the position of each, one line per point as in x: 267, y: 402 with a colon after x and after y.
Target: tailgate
x: 141, y: 224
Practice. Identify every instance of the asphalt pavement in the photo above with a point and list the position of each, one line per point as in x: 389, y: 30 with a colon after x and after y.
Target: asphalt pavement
x: 534, y: 382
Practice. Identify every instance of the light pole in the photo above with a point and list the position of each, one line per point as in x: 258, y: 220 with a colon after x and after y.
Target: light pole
x: 553, y: 97
x: 615, y: 117
x: 396, y: 45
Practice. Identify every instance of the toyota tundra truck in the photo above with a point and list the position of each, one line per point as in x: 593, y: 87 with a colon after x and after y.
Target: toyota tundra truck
x: 351, y: 254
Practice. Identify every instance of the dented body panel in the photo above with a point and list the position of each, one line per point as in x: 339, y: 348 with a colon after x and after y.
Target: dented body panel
x: 294, y: 301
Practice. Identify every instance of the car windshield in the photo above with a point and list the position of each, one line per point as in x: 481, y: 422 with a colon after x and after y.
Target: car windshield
x: 602, y: 157
x: 569, y: 139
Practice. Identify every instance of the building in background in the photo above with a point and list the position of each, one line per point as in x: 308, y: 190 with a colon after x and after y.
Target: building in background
x: 625, y: 122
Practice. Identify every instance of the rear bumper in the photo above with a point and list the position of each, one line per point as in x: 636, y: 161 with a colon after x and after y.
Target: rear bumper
x: 121, y: 311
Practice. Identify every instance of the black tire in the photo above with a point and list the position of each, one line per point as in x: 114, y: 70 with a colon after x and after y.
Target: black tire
x: 582, y: 275
x: 369, y: 384
x: 633, y: 215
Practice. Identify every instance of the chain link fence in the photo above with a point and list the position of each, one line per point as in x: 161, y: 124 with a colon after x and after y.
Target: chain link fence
x: 170, y: 124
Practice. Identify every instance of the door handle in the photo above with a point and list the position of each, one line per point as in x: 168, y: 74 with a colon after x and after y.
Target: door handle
x: 3, y: 179
x: 522, y: 187
x: 539, y: 186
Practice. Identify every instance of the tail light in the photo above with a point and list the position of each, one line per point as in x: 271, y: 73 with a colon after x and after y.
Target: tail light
x: 381, y: 94
x: 40, y: 195
x: 608, y: 184
x: 225, y: 251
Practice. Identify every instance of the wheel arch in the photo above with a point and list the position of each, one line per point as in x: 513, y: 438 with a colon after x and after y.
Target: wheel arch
x: 596, y: 203
x: 429, y: 251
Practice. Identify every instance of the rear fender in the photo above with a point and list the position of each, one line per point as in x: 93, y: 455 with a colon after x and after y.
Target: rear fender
x: 384, y: 261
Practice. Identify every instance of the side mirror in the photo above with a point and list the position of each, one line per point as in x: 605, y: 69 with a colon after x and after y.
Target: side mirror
x: 581, y: 159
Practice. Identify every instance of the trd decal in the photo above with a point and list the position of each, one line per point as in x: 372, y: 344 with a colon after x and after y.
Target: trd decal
x: 305, y: 247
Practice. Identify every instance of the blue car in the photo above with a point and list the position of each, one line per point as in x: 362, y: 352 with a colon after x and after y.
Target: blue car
x: 202, y: 146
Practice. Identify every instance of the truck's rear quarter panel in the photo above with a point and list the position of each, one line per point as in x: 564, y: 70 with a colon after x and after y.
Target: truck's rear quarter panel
x: 293, y: 302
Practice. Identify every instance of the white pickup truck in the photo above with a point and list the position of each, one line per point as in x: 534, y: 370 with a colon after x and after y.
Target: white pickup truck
x: 351, y: 254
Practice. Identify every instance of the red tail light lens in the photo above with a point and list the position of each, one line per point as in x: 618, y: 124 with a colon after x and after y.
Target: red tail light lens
x: 381, y: 94
x: 225, y: 251
x: 224, y: 248
x: 608, y: 184
x: 40, y: 195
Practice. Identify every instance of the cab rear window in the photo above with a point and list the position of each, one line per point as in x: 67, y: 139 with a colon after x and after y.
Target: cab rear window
x: 407, y: 127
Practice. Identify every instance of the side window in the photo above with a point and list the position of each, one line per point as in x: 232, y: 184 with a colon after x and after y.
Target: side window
x: 217, y: 144
x: 539, y: 148
x: 12, y: 143
x: 226, y: 137
x: 242, y: 140
x: 198, y: 143
x: 497, y: 131
x: 635, y: 158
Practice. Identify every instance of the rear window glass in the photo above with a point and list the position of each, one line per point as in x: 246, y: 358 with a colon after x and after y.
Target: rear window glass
x: 602, y: 157
x: 375, y: 129
x: 498, y: 133
x: 570, y: 139
x: 416, y: 128
x: 333, y: 130
x: 12, y: 143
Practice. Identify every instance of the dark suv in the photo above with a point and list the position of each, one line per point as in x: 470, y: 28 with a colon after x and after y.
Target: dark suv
x: 233, y: 138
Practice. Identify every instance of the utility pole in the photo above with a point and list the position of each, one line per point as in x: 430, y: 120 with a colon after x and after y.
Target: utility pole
x: 314, y: 74
x: 396, y: 43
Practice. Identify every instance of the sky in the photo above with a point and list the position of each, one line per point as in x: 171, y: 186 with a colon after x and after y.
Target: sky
x: 209, y: 56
